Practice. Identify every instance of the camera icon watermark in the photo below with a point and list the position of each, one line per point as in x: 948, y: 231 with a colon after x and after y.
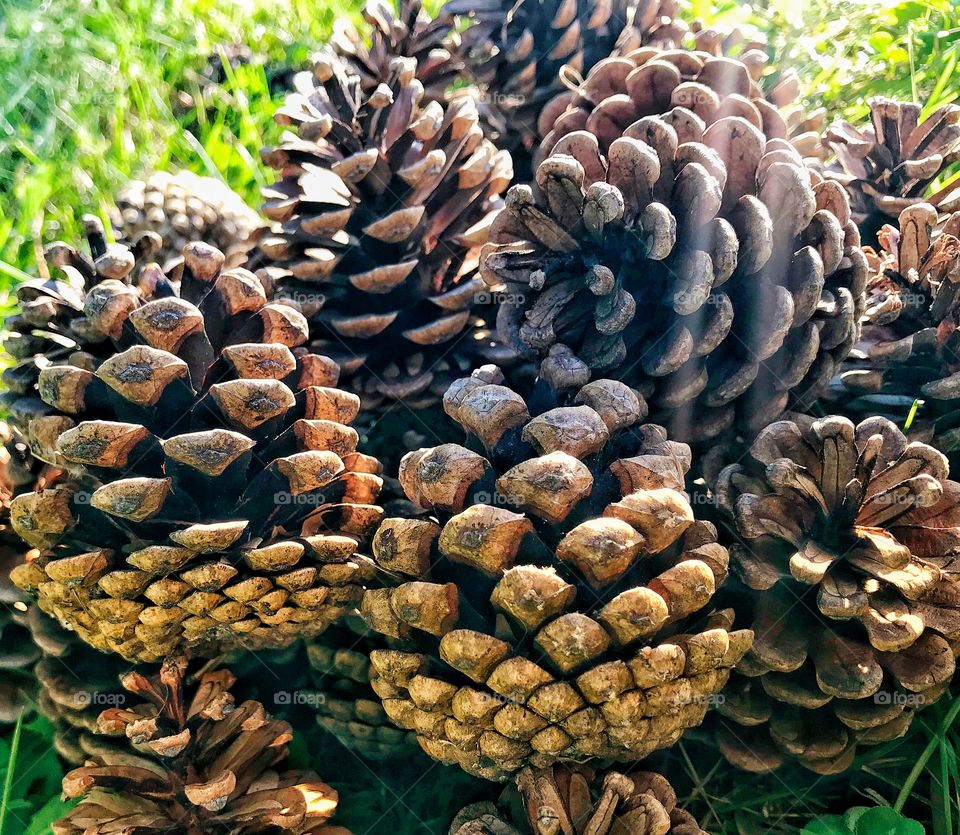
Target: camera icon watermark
x: 291, y: 698
x: 498, y: 297
x: 94, y: 698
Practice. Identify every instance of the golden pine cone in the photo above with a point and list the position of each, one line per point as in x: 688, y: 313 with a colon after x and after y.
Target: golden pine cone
x: 383, y: 203
x: 909, y: 346
x: 892, y: 163
x: 551, y: 604
x: 215, y: 499
x: 688, y: 253
x: 183, y: 208
x: 848, y: 539
x: 48, y: 326
x: 577, y: 799
x: 211, y: 766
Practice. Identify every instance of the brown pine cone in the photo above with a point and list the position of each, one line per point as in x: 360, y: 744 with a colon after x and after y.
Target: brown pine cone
x: 404, y: 31
x: 848, y: 541
x: 700, y: 264
x: 211, y: 766
x: 552, y: 605
x: 579, y: 800
x: 892, y: 163
x: 216, y: 499
x: 183, y: 208
x: 520, y: 53
x: 48, y: 326
x: 76, y: 683
x: 909, y: 346
x: 383, y: 204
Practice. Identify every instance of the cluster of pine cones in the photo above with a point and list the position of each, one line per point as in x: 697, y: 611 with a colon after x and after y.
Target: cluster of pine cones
x: 662, y: 463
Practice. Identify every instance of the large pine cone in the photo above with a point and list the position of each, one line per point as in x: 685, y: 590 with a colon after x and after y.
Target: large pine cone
x: 383, y: 204
x: 216, y: 499
x: 48, y: 326
x: 76, y: 683
x: 402, y: 32
x: 699, y: 264
x: 519, y: 52
x: 551, y: 603
x: 211, y: 766
x: 909, y: 346
x: 182, y: 208
x: 892, y: 163
x: 568, y: 800
x: 849, y: 539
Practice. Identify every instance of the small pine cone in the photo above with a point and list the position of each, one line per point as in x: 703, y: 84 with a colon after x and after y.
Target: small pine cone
x: 521, y: 53
x: 577, y: 799
x: 211, y: 766
x: 552, y: 607
x: 405, y: 32
x: 701, y: 264
x: 848, y: 540
x: 893, y: 162
x: 215, y: 497
x: 183, y: 208
x: 383, y: 204
x: 76, y: 683
x: 909, y: 345
x: 48, y: 326
x: 347, y: 707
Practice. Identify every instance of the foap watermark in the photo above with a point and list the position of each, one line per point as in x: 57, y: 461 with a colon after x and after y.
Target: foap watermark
x: 496, y: 498
x: 498, y: 297
x: 290, y: 698
x: 283, y: 498
x: 884, y: 697
x: 95, y: 698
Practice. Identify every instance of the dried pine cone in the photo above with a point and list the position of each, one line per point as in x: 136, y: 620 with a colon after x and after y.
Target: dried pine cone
x: 697, y: 263
x: 210, y: 766
x: 383, y: 204
x: 893, y: 163
x: 518, y: 53
x: 577, y: 800
x: 76, y: 683
x: 48, y: 326
x: 549, y: 606
x: 849, y: 536
x: 183, y: 208
x: 215, y: 497
x: 405, y: 32
x: 909, y: 346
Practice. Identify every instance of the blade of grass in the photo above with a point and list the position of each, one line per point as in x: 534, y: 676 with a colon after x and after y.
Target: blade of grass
x: 8, y: 778
x: 921, y: 763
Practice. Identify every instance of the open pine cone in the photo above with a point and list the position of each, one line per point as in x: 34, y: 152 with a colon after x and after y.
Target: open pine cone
x: 404, y: 31
x: 209, y: 766
x: 48, y: 326
x: 383, y: 204
x: 683, y: 251
x: 518, y: 53
x: 848, y: 540
x: 578, y: 800
x: 182, y: 208
x: 215, y: 497
x: 909, y: 346
x: 892, y: 163
x: 550, y: 608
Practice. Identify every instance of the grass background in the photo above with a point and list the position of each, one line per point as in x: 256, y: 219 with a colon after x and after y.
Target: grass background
x: 95, y: 91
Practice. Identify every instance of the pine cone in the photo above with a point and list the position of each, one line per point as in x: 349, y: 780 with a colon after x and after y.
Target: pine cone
x: 560, y: 580
x: 215, y: 497
x: 210, y: 766
x: 402, y: 32
x: 183, y: 208
x: 748, y: 279
x: 568, y: 800
x: 76, y: 683
x: 849, y: 536
x: 519, y: 53
x: 384, y: 202
x: 909, y: 345
x: 49, y: 328
x: 893, y: 163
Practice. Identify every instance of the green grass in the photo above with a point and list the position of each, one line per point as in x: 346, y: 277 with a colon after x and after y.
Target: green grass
x: 94, y: 91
